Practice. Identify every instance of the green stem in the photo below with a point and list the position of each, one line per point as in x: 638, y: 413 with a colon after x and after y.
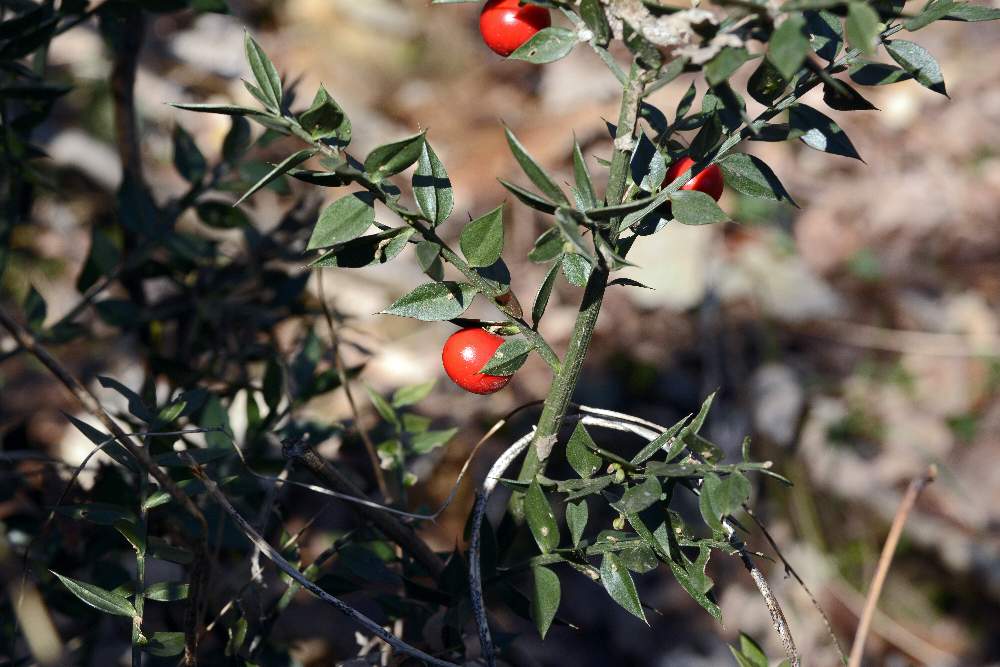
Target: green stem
x: 138, y: 641
x: 419, y: 222
x: 558, y: 400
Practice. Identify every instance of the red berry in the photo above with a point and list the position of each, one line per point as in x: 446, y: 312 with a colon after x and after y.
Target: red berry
x: 505, y: 25
x: 708, y: 180
x: 465, y: 353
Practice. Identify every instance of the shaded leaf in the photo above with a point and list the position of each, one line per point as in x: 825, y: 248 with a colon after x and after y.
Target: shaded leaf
x: 545, y: 595
x: 541, y: 519
x: 580, y: 452
x: 432, y: 187
x: 916, y: 60
x: 618, y: 583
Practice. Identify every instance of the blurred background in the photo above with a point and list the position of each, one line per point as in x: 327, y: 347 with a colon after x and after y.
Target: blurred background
x: 856, y: 338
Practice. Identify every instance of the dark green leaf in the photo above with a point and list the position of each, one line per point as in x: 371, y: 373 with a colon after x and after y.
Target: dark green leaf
x: 544, y: 292
x: 721, y: 497
x: 580, y: 452
x: 545, y: 596
x: 576, y: 268
x: 541, y: 520
x: 285, y: 165
x: 324, y: 119
x: 547, y: 45
x: 918, y: 62
x: 268, y: 81
x: 165, y: 644
x: 592, y: 13
x: 367, y: 250
x: 343, y: 220
x: 509, y: 357
x: 577, y: 516
x: 434, y: 301
x: 534, y: 171
x: 584, y: 183
x: 725, y: 62
x: 639, y: 497
x: 136, y: 406
x: 659, y: 443
x: 877, y: 74
x: 548, y: 246
x: 766, y: 84
x: 166, y: 591
x: 930, y: 13
x: 692, y: 578
x: 97, y: 597
x: 618, y: 583
x: 827, y: 34
x: 820, y: 132
x: 220, y: 215
x: 529, y: 198
x: 393, y: 158
x: 432, y: 187
x: 751, y: 177
x: 188, y: 160
x: 692, y: 207
x: 222, y: 109
x: 482, y: 239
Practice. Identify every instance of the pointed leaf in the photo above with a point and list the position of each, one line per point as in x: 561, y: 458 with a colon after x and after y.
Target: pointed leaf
x: 545, y: 596
x: 535, y: 173
x: 789, y: 46
x: 434, y: 301
x: 618, y: 583
x: 580, y: 452
x: 862, y: 26
x: 97, y: 597
x: 820, y: 132
x: 750, y: 176
x: 343, y: 220
x: 368, y: 250
x: 546, y: 46
x: 432, y: 187
x: 692, y: 207
x: 509, y: 357
x: 544, y: 293
x: 188, y: 159
x: 576, y: 520
x: 482, y: 239
x: 581, y: 174
x: 916, y: 60
x: 268, y: 81
x: 325, y: 119
x: 541, y: 519
x: 285, y: 165
x: 393, y: 158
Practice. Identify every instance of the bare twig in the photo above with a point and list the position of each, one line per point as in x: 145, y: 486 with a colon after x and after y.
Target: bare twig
x: 393, y: 529
x: 274, y: 556
x: 345, y: 382
x: 885, y: 560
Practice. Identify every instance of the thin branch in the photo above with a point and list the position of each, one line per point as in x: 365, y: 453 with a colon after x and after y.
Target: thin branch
x: 885, y: 560
x: 274, y: 556
x: 345, y: 382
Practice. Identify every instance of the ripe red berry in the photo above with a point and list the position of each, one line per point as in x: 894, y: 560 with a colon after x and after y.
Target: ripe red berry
x: 708, y: 180
x: 465, y: 353
x: 505, y: 25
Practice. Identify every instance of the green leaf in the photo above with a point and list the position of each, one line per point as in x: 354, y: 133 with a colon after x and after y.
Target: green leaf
x: 766, y: 84
x: 393, y: 158
x: 929, y: 14
x: 548, y: 246
x: 544, y: 293
x: 844, y: 98
x: 429, y: 259
x: 659, y: 443
x: 422, y: 443
x: 819, y: 132
x: 545, y: 596
x: 862, y: 26
x: 529, y: 198
x: 541, y: 520
x: 166, y: 591
x: 482, y: 239
x: 721, y: 497
x: 432, y: 187
x: 749, y: 654
x: 324, y: 119
x: 568, y: 221
x: 136, y: 406
x: 415, y: 393
x: 165, y: 644
x: 966, y: 11
x: 188, y: 160
x: 576, y: 268
x: 220, y: 215
x: 368, y: 250
x: 285, y: 165
x: 592, y: 13
x: 639, y: 497
x: 130, y: 531
x: 103, y: 514
x: 916, y: 60
x: 97, y: 597
x: 618, y: 583
x: 877, y: 74
x: 692, y: 578
x: 581, y: 174
x: 221, y: 109
x: 725, y: 63
x: 434, y: 301
x: 827, y: 34
x: 576, y: 520
x: 580, y: 452
x: 268, y: 81
x: 789, y: 46
x: 546, y: 46
x: 343, y: 220
x: 692, y: 207
x: 751, y: 177
x: 509, y: 357
x: 534, y: 171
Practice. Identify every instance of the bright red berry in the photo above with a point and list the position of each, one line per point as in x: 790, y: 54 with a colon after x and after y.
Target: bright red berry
x: 505, y: 25
x: 465, y: 353
x: 708, y: 180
